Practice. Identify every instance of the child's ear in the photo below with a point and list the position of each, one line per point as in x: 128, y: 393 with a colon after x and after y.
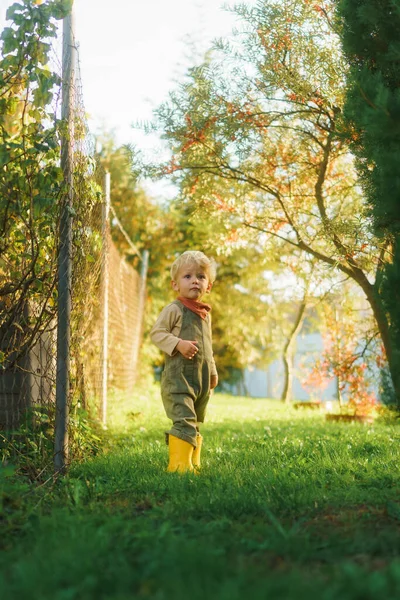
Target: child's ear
x: 208, y: 290
x: 174, y: 286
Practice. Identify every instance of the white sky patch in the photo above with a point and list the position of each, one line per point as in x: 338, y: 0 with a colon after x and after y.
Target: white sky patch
x: 133, y: 52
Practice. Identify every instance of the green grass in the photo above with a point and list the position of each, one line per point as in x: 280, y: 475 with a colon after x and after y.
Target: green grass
x: 287, y: 506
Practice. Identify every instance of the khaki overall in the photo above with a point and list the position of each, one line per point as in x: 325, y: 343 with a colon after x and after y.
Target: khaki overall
x: 185, y: 383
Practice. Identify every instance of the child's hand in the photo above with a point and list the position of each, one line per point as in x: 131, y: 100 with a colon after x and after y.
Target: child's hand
x: 213, y: 381
x: 187, y: 349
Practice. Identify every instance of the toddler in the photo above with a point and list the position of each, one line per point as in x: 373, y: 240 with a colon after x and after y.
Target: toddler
x: 183, y: 333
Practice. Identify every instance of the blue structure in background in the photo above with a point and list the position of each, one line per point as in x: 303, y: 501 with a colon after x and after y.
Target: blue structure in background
x: 268, y: 383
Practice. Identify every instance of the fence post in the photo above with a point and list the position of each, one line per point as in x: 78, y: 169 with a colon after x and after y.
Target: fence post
x: 105, y: 230
x: 65, y: 250
x: 142, y: 298
x: 143, y: 278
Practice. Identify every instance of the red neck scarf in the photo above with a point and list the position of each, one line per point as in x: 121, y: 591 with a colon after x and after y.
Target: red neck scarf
x: 199, y: 308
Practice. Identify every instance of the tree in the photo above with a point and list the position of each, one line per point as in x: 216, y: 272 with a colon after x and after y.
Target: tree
x: 369, y: 32
x: 351, y: 354
x: 255, y: 144
x: 289, y: 348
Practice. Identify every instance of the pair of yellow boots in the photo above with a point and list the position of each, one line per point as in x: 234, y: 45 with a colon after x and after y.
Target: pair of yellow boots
x: 183, y: 457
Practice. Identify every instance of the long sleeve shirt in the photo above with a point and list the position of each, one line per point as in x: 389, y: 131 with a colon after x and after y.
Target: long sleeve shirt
x: 166, y: 330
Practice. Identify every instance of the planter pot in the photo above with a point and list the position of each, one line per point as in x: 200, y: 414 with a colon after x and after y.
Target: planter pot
x: 312, y: 405
x: 350, y: 418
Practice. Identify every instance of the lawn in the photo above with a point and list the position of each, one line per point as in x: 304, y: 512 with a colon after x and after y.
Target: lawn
x: 287, y: 506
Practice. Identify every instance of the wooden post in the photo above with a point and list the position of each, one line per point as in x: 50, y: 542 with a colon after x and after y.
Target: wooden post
x: 105, y: 294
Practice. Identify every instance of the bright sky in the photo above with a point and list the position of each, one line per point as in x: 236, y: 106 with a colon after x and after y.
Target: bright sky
x: 132, y: 51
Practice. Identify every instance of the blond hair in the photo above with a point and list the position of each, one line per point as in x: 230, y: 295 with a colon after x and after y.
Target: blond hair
x: 198, y: 258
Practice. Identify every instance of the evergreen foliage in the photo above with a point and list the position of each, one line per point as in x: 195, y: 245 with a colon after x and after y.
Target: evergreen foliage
x: 371, y: 43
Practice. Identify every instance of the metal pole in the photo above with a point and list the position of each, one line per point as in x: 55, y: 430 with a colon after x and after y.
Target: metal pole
x: 105, y: 289
x: 141, y: 304
x: 143, y: 278
x: 65, y: 251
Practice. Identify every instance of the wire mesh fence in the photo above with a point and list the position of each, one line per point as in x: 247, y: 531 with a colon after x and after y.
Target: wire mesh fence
x: 107, y: 345
x: 71, y: 306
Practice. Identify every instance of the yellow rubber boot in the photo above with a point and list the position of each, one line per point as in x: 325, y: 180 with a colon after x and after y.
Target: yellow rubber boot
x: 197, y: 451
x: 180, y: 455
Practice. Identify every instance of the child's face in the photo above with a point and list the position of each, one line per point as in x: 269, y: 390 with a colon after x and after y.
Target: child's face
x: 192, y: 282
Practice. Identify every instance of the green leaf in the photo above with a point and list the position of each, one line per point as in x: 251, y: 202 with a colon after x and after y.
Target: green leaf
x: 10, y: 40
x: 62, y: 8
x: 14, y: 8
x: 42, y: 96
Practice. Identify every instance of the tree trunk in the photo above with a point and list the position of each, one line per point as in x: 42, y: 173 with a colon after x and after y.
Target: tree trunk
x: 384, y: 330
x: 338, y: 392
x: 288, y: 354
